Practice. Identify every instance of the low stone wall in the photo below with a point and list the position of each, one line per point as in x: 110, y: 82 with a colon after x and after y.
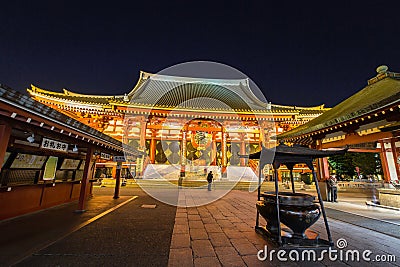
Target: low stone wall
x: 389, y: 197
x: 360, y: 185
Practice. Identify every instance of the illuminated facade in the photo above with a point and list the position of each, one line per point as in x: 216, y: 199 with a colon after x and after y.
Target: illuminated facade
x: 183, y: 121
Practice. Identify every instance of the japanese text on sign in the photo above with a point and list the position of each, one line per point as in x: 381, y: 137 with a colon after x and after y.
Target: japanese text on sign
x: 119, y: 158
x: 54, y: 145
x: 105, y: 156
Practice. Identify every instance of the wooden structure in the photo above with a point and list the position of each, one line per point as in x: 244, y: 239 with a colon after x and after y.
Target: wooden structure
x: 183, y: 121
x: 46, y: 157
x: 368, y: 121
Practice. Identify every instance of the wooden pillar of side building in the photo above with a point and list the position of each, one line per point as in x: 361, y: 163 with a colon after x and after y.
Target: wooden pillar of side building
x: 395, y: 155
x: 5, y: 132
x: 384, y: 162
x: 388, y: 155
x: 85, y: 180
x: 117, y: 180
x: 322, y: 164
x: 322, y: 172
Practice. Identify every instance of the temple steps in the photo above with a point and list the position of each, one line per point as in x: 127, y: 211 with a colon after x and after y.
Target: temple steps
x: 187, y: 183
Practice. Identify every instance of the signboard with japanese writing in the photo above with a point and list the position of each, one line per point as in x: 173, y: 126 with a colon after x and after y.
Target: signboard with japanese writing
x: 368, y: 145
x: 105, y: 156
x: 54, y: 145
x: 70, y: 164
x: 119, y: 158
x: 27, y: 161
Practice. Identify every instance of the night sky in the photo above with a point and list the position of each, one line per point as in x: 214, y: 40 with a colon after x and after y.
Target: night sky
x: 305, y: 53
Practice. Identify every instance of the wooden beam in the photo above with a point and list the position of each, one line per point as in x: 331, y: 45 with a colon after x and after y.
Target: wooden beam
x: 357, y: 139
x: 360, y: 150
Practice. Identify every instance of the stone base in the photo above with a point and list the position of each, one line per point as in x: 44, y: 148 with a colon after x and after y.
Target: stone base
x: 311, y: 239
x: 389, y: 197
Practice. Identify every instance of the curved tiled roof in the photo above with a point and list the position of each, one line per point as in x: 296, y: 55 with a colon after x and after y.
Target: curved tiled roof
x: 162, y: 91
x: 22, y: 101
x: 380, y: 93
x: 76, y: 97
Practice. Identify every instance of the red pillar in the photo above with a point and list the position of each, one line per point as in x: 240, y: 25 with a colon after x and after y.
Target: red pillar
x: 243, y: 149
x: 395, y: 155
x: 5, y: 132
x: 140, y: 160
x: 385, y: 167
x: 143, y: 126
x: 153, y: 146
x: 183, y: 152
x: 224, y: 158
x: 214, y: 149
x: 85, y: 180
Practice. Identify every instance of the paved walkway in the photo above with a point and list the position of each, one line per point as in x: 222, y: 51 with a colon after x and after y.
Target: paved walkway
x: 130, y: 235
x: 220, y: 233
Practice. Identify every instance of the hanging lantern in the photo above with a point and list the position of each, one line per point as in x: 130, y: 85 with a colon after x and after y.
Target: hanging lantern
x: 201, y: 140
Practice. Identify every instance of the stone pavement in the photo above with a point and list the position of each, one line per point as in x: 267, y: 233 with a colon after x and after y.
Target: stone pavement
x: 129, y: 234
x: 24, y: 235
x: 222, y: 234
x: 200, y: 232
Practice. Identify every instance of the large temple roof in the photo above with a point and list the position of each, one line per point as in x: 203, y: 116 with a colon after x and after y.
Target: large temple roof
x: 162, y: 91
x: 172, y: 91
x: 381, y: 91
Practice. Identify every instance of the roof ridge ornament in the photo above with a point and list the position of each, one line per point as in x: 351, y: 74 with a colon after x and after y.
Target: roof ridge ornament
x: 126, y: 98
x: 382, y: 69
x: 382, y: 73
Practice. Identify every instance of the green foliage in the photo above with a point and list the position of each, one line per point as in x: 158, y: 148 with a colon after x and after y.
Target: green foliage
x: 306, y: 178
x: 369, y: 163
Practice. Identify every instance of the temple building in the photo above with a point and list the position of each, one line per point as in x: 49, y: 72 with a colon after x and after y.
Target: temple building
x: 183, y: 124
x: 368, y: 122
x: 46, y: 158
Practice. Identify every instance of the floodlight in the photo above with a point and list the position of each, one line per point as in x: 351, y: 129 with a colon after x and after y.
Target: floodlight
x: 31, y: 138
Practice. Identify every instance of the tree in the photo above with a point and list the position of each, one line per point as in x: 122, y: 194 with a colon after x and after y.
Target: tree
x: 369, y: 163
x: 343, y: 164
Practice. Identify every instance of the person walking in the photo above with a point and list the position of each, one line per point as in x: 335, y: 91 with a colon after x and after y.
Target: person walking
x: 210, y: 177
x: 333, y: 185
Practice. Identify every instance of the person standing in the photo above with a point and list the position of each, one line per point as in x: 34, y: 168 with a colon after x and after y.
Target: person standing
x: 333, y: 184
x: 328, y: 186
x: 210, y: 177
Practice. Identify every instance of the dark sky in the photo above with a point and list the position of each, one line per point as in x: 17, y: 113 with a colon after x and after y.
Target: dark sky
x: 301, y: 53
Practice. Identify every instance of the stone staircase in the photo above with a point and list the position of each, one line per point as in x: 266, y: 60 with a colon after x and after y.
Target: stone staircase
x: 188, y: 183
